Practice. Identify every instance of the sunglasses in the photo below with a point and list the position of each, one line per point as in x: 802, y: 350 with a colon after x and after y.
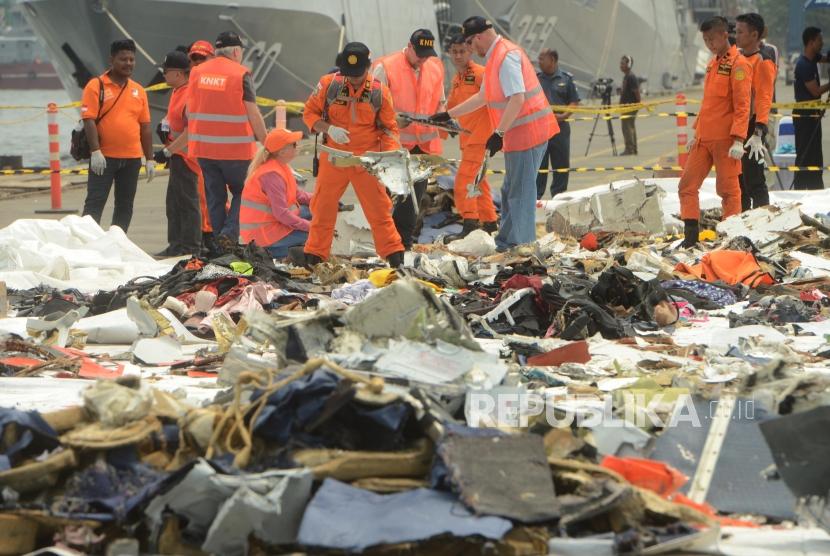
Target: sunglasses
x: 469, y: 42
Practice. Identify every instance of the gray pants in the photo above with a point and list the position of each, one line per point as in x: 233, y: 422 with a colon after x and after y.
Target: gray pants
x: 184, y: 218
x: 629, y: 131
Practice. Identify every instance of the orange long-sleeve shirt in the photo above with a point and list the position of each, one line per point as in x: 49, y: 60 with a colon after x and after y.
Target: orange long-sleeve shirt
x: 464, y: 85
x: 727, y: 90
x: 353, y: 110
x: 764, y: 73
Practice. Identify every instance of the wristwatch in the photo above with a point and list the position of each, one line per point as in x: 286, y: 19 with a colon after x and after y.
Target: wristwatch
x: 499, y: 132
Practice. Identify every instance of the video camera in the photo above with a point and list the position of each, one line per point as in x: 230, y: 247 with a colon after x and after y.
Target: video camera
x: 602, y: 87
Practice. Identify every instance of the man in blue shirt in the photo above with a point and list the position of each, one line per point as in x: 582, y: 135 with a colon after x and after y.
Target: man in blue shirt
x: 807, y: 122
x: 559, y: 89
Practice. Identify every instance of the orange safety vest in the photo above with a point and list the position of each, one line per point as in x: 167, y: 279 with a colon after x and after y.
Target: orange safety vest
x: 535, y: 122
x: 466, y: 84
x: 177, y: 120
x: 418, y: 96
x: 217, y: 122
x: 256, y: 219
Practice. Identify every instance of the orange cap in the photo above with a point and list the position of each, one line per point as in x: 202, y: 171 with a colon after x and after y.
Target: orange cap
x: 201, y: 48
x: 278, y: 138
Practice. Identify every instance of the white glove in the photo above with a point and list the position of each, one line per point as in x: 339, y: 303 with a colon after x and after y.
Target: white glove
x: 150, y: 167
x: 757, y: 150
x: 736, y: 151
x: 97, y: 162
x: 338, y: 134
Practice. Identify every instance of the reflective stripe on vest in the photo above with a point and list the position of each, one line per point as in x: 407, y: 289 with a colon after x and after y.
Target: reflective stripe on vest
x: 218, y: 118
x: 217, y: 124
x: 535, y: 123
x: 220, y: 139
x: 419, y: 95
x: 257, y: 222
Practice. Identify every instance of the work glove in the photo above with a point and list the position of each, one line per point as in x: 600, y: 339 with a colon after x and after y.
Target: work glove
x: 441, y: 117
x: 150, y: 167
x: 736, y: 151
x: 162, y: 156
x: 756, y: 148
x: 338, y: 134
x: 494, y: 143
x: 97, y: 162
x: 691, y: 144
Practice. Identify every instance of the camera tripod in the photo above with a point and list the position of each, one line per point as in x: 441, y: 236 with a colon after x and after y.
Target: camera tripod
x: 606, y: 101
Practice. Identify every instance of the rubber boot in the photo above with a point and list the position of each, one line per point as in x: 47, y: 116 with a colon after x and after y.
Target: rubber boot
x: 298, y: 257
x: 490, y: 227
x: 691, y: 232
x: 395, y: 259
x: 467, y: 226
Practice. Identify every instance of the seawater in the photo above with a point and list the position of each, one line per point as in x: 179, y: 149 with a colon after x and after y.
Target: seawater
x: 24, y: 132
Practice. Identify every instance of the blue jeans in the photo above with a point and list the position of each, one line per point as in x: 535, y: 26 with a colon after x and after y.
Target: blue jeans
x: 279, y: 250
x: 518, y: 197
x: 221, y: 175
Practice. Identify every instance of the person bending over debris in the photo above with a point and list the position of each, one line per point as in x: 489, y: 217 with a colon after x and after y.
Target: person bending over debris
x: 720, y: 129
x: 274, y: 212
x: 355, y: 113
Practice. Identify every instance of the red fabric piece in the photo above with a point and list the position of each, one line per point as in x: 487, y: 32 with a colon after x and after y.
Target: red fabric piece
x: 90, y: 368
x: 589, y: 242
x: 574, y: 352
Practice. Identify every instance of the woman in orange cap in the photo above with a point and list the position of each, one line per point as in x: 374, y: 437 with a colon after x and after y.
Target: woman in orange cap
x: 274, y: 213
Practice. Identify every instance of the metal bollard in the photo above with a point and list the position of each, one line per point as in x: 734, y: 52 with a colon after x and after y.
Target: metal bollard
x: 280, y: 115
x: 54, y: 162
x: 682, y: 133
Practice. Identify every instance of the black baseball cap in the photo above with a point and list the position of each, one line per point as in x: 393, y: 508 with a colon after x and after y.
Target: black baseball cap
x: 474, y: 25
x: 176, y: 60
x: 228, y: 38
x: 423, y: 41
x: 354, y: 59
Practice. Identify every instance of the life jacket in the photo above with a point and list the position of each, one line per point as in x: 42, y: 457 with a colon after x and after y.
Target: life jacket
x: 535, y: 122
x: 419, y: 96
x: 359, y: 114
x: 256, y: 219
x: 732, y: 267
x: 466, y: 84
x: 218, y: 126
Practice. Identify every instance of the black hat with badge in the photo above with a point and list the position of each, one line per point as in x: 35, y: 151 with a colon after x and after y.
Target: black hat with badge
x: 423, y: 41
x: 474, y: 25
x: 354, y: 60
x: 176, y: 60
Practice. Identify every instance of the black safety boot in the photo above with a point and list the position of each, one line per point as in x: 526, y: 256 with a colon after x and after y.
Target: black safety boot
x: 691, y: 232
x: 298, y: 257
x: 467, y: 226
x: 395, y: 259
x: 490, y: 227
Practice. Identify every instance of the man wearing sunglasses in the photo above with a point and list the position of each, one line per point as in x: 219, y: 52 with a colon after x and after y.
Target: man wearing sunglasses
x: 415, y: 76
x: 522, y: 120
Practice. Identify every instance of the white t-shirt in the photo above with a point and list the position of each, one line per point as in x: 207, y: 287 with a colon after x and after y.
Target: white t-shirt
x: 510, y: 72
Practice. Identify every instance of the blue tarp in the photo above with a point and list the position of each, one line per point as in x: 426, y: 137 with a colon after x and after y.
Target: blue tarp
x: 34, y: 435
x: 348, y: 518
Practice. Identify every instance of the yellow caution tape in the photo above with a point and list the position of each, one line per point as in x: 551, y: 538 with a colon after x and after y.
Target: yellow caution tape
x: 577, y: 170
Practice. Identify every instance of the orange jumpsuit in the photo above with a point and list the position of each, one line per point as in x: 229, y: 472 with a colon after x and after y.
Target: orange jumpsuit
x: 353, y: 111
x: 753, y: 182
x: 464, y: 85
x: 723, y: 118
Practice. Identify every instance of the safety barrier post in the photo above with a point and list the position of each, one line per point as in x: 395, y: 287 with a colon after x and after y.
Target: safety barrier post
x: 54, y: 162
x: 682, y: 134
x: 280, y: 116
